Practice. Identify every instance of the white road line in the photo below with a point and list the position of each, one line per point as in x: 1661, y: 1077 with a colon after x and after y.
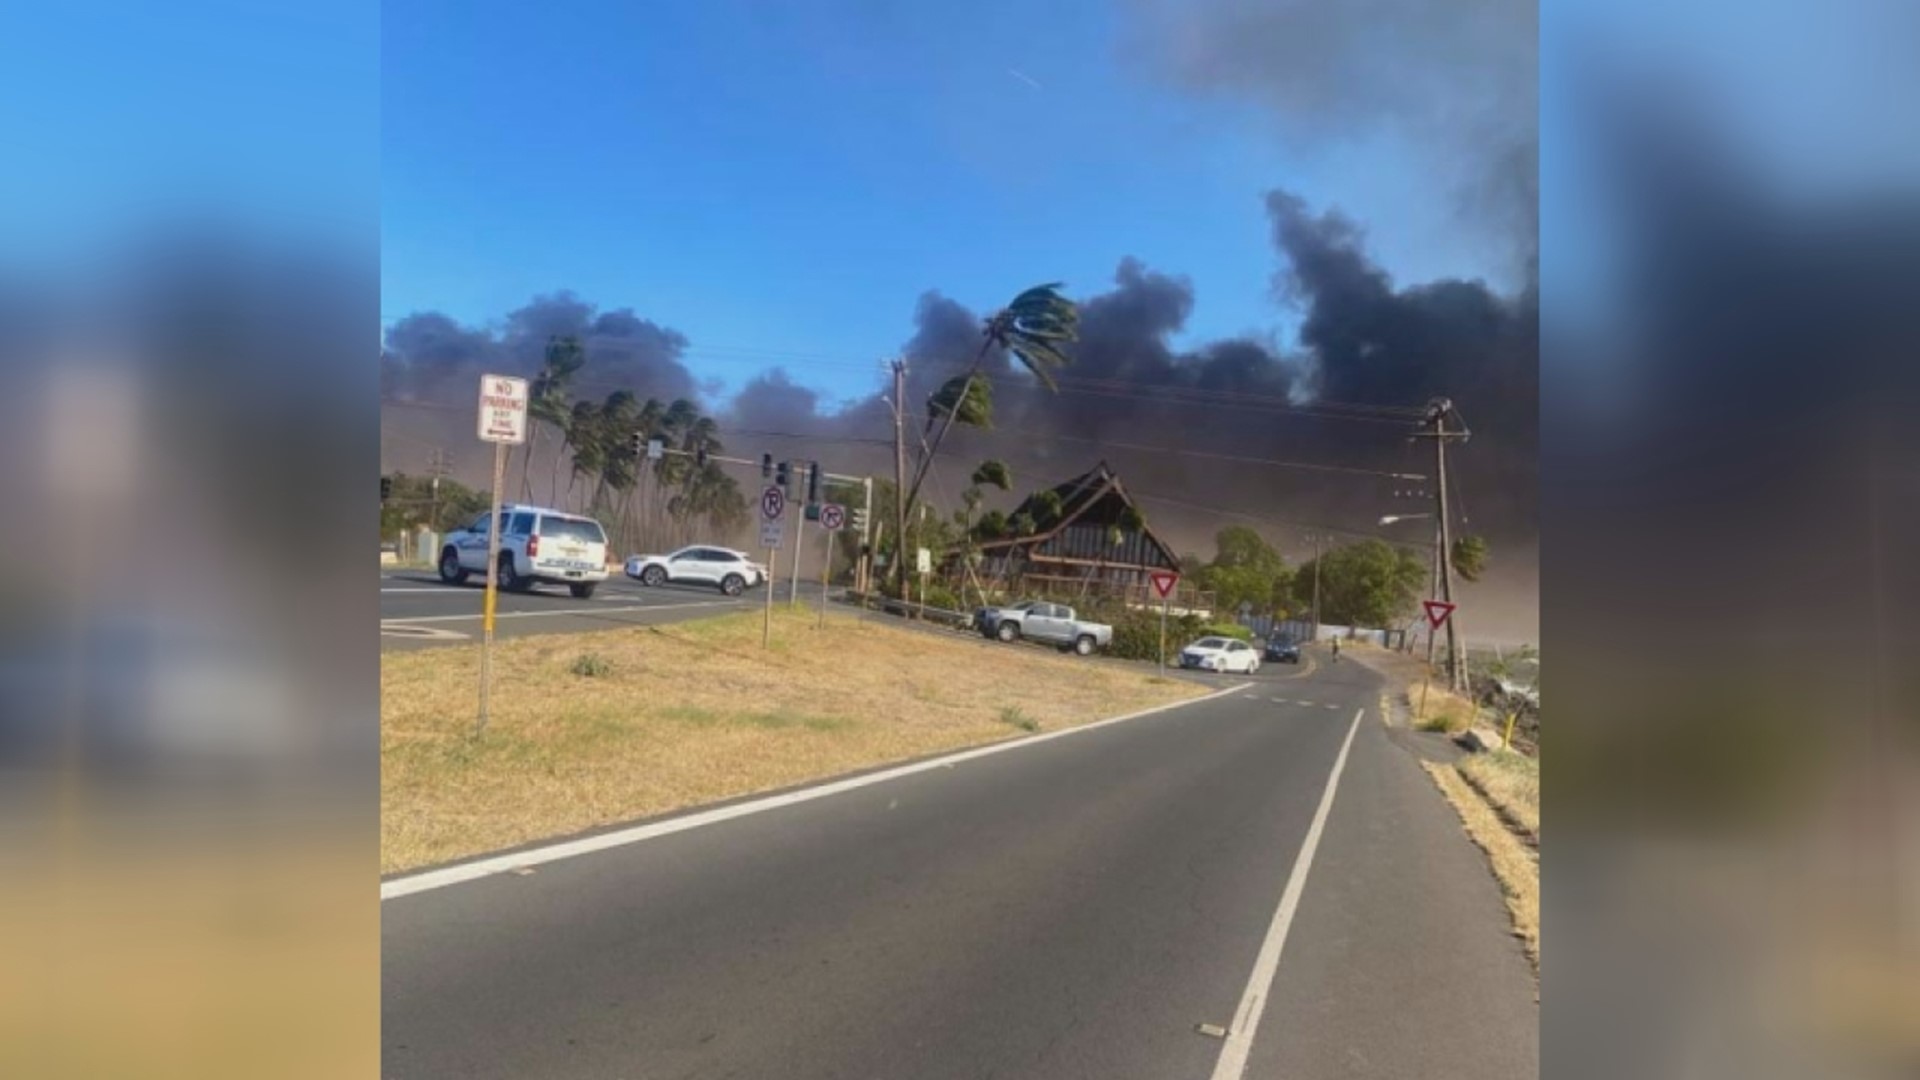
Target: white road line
x: 1246, y: 1019
x: 487, y: 867
x: 1329, y: 706
x: 557, y: 611
x: 443, y: 591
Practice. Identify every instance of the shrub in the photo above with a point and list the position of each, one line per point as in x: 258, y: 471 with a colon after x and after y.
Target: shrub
x: 1012, y: 715
x: 1136, y: 634
x: 591, y: 666
x: 1227, y: 630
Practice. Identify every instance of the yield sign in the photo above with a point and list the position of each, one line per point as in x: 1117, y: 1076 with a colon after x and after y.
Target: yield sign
x: 1163, y: 582
x: 1437, y: 612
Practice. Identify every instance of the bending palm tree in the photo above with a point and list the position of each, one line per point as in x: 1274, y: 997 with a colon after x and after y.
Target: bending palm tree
x: 547, y: 397
x: 1035, y: 327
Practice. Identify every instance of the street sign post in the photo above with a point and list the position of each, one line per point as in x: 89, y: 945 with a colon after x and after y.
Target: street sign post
x: 1438, y: 612
x: 502, y: 421
x: 773, y: 506
x: 1163, y: 583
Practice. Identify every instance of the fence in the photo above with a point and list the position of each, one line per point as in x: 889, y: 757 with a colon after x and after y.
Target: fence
x: 1303, y: 630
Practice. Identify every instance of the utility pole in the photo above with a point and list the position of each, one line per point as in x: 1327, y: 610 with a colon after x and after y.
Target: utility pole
x: 899, y: 566
x: 1438, y: 411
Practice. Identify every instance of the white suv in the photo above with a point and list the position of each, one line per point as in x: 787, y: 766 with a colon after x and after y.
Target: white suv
x: 536, y: 545
x: 731, y: 570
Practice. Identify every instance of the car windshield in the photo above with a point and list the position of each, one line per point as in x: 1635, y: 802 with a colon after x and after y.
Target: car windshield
x: 588, y: 532
x: 1210, y: 643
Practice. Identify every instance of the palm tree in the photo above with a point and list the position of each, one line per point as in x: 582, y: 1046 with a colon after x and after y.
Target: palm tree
x: 547, y: 397
x: 986, y: 474
x: 1035, y: 327
x: 583, y: 438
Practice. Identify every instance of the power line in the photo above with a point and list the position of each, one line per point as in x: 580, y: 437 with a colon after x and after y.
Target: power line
x: 1351, y: 470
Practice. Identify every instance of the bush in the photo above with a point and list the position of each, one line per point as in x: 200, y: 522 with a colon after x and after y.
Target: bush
x: 1136, y: 634
x: 1227, y: 630
x: 591, y: 666
x: 1012, y: 715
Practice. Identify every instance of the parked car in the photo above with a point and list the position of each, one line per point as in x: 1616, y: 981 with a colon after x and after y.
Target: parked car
x: 537, y: 545
x: 1053, y: 623
x: 1283, y: 650
x: 732, y: 572
x: 1221, y: 655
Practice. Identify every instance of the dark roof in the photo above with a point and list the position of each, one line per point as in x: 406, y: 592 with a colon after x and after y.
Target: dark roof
x: 1076, y: 496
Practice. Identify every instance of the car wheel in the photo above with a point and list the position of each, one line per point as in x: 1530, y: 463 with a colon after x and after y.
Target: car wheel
x: 733, y: 585
x: 1083, y: 645
x: 653, y: 575
x: 582, y: 590
x: 1007, y: 632
x: 1253, y: 666
x: 510, y: 579
x: 450, y: 570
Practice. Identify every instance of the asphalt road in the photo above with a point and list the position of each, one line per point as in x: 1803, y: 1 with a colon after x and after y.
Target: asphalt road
x: 1073, y: 907
x: 417, y: 610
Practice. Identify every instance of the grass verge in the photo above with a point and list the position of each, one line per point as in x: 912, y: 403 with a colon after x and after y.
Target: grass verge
x: 1510, y: 783
x: 593, y: 729
x: 1515, y: 865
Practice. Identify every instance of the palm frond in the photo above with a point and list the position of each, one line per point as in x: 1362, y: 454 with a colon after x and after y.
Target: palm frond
x: 993, y: 474
x: 976, y: 410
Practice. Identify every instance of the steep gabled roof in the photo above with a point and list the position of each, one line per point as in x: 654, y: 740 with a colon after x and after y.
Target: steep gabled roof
x: 1076, y: 497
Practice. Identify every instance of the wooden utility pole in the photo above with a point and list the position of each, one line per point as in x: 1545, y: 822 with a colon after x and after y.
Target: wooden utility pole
x: 1439, y: 410
x: 899, y: 566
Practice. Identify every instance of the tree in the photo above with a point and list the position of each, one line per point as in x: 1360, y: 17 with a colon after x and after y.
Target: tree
x: 1036, y: 326
x: 1470, y: 557
x: 987, y: 474
x: 1246, y: 570
x: 1371, y: 583
x: 547, y: 399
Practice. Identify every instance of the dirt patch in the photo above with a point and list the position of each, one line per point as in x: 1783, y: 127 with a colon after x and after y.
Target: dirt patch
x: 593, y: 729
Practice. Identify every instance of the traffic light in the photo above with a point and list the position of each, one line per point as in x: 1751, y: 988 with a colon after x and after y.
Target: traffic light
x: 783, y: 476
x: 813, y: 483
x: 766, y: 466
x: 639, y: 444
x: 700, y: 457
x: 386, y: 488
x: 858, y: 519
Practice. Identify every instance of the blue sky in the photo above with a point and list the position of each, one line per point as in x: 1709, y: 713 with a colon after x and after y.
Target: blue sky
x: 781, y: 187
x: 119, y: 116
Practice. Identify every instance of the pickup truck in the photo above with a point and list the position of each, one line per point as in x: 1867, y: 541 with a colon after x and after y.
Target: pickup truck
x: 1039, y: 621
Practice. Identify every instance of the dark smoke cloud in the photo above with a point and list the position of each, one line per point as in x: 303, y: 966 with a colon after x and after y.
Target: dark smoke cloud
x: 1455, y: 82
x: 431, y: 364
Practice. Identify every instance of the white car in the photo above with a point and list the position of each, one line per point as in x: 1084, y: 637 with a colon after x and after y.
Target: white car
x: 731, y: 571
x: 537, y: 545
x: 1221, y: 655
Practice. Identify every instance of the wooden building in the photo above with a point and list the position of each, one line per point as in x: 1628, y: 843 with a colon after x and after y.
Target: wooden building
x: 1084, y: 536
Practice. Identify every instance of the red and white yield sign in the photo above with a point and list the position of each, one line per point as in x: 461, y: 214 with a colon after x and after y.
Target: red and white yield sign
x: 1437, y: 612
x: 773, y: 503
x: 1163, y: 582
